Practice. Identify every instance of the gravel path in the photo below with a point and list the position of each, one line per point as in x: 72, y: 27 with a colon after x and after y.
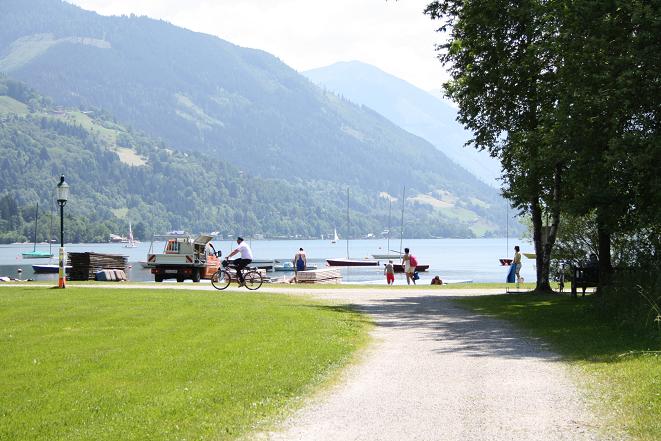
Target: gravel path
x: 438, y: 372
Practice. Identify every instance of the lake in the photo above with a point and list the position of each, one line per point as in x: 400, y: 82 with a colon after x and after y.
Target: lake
x: 451, y: 259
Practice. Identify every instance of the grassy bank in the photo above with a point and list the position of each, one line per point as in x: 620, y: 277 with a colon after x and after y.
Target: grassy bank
x: 136, y: 364
x: 617, y: 365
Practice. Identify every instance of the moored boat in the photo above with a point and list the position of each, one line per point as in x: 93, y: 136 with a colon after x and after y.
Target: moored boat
x: 387, y: 256
x: 288, y: 266
x: 399, y: 268
x: 34, y: 254
x: 48, y: 269
x: 352, y: 262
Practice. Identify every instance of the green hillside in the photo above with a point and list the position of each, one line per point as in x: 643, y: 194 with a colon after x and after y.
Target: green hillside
x: 231, y: 106
x: 119, y: 175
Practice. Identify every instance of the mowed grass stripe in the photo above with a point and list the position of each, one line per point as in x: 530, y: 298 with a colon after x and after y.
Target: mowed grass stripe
x: 109, y: 364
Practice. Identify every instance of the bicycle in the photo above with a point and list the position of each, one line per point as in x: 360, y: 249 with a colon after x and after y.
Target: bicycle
x: 252, y: 279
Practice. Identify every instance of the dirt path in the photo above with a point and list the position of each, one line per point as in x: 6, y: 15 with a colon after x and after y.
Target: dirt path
x: 438, y: 372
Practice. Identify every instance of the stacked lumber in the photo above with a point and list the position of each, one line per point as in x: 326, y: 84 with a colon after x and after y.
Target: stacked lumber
x: 323, y: 275
x: 84, y: 266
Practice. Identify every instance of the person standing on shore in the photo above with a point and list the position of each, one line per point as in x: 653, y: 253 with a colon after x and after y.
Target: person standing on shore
x: 389, y: 271
x: 410, y: 264
x: 300, y: 261
x: 517, y: 262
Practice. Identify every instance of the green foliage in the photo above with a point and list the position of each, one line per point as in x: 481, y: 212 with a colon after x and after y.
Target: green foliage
x: 161, y: 364
x: 566, y: 94
x: 622, y: 366
x: 632, y: 299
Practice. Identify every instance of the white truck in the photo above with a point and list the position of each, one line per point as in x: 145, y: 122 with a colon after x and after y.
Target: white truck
x: 184, y: 257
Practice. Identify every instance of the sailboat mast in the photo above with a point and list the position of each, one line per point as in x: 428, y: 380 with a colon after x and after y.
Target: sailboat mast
x: 348, y: 224
x: 507, y: 231
x: 389, y: 214
x: 50, y: 232
x: 401, y: 230
x: 36, y: 219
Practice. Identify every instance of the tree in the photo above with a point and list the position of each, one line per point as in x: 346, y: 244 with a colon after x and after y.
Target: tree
x: 503, y: 73
x: 609, y: 116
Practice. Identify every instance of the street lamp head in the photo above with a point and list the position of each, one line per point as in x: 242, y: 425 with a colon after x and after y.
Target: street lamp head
x: 62, y: 191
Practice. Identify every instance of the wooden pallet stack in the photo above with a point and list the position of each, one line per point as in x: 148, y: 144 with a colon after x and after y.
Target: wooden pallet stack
x: 323, y: 275
x: 84, y: 266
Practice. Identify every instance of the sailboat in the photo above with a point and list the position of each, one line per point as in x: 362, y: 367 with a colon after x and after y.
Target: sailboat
x: 349, y: 261
x: 398, y: 254
x: 34, y: 254
x: 335, y: 238
x: 49, y: 268
x: 131, y: 242
x: 507, y: 261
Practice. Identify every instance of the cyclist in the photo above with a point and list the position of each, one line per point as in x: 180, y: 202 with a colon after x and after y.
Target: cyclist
x: 244, y: 260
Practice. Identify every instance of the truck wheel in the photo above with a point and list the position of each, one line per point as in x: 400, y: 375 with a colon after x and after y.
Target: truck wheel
x: 158, y: 278
x: 180, y: 279
x: 196, y: 275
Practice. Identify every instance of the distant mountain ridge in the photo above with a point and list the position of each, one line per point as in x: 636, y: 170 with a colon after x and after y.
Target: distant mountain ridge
x: 413, y: 109
x: 229, y: 105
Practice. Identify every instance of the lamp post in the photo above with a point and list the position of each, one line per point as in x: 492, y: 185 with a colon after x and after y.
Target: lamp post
x: 62, y: 192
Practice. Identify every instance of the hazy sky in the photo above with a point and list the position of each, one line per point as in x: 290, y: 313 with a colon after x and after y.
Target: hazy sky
x: 392, y: 35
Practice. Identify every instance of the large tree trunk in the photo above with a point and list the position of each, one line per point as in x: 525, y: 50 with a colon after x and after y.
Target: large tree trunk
x: 605, y: 263
x: 544, y: 245
x: 536, y: 213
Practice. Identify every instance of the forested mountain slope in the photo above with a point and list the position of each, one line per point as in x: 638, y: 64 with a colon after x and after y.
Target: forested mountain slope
x: 117, y: 174
x: 409, y: 107
x: 225, y: 104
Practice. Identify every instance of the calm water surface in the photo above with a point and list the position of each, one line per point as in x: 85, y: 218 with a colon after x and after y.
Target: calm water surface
x: 451, y: 259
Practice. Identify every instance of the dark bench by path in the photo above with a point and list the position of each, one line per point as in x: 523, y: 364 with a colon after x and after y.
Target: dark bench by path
x: 583, y: 277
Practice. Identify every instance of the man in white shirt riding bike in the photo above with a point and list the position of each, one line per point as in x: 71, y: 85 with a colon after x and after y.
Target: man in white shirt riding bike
x: 243, y: 261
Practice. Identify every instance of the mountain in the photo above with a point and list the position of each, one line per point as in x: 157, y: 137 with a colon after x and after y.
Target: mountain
x: 239, y: 111
x: 117, y: 175
x: 420, y: 112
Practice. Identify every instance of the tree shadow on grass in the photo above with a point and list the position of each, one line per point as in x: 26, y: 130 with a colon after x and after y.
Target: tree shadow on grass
x: 529, y: 327
x: 439, y: 319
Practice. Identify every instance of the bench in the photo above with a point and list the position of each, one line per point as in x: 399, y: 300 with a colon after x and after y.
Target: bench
x: 584, y: 277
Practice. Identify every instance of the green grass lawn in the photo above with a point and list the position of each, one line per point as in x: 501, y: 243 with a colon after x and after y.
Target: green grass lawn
x: 134, y: 364
x: 613, y: 363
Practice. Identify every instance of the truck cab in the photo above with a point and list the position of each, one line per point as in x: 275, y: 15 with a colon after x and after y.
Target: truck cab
x: 184, y: 257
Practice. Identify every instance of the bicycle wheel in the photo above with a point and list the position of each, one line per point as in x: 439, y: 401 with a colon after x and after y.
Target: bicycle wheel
x: 253, y: 280
x: 221, y: 279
